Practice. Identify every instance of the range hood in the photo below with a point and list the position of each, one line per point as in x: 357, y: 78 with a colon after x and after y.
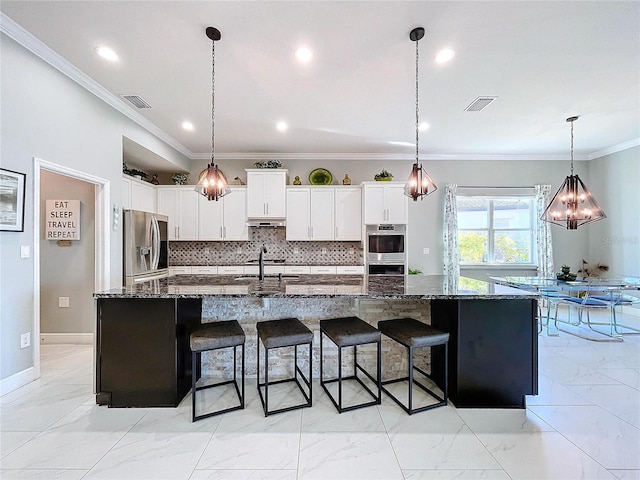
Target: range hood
x: 266, y: 222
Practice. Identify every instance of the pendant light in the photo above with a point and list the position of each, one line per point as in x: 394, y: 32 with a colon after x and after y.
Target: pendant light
x: 419, y: 183
x: 212, y: 182
x: 573, y: 205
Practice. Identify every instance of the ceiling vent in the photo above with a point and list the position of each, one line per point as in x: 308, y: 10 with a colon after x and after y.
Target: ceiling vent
x: 137, y: 101
x: 479, y: 104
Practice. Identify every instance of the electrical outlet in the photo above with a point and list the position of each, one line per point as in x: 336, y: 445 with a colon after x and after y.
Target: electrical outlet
x: 63, y: 302
x: 207, y: 250
x: 296, y: 251
x: 25, y: 340
x: 239, y: 251
x: 425, y: 250
x: 324, y: 251
x: 352, y: 251
x: 25, y: 251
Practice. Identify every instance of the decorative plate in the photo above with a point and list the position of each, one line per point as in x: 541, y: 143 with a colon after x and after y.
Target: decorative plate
x: 320, y: 176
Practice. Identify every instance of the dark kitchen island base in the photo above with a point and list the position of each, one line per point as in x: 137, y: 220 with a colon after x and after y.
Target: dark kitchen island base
x: 143, y: 356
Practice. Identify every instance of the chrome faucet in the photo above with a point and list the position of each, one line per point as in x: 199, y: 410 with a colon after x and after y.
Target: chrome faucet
x: 263, y: 250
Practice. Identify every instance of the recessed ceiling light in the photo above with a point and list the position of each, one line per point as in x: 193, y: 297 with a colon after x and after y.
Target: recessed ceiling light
x: 445, y: 55
x: 282, y: 126
x: 107, y: 53
x: 304, y: 55
x: 423, y: 126
x: 187, y: 126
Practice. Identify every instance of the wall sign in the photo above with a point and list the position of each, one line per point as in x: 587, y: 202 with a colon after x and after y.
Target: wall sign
x: 63, y: 220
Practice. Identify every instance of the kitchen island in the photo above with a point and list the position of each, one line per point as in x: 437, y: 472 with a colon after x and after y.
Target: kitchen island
x: 142, y: 341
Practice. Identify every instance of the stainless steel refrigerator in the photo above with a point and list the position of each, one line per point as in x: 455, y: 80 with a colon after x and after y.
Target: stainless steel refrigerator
x: 145, y: 248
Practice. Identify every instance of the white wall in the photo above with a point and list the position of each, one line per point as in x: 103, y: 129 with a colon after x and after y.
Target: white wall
x: 46, y: 115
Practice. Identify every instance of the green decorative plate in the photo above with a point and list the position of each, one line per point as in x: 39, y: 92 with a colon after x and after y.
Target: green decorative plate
x: 320, y: 176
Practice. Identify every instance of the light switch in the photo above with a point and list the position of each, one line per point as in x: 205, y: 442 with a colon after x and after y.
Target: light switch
x: 425, y: 250
x: 25, y: 251
x: 63, y: 302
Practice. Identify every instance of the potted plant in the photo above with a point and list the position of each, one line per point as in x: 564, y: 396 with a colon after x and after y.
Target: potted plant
x: 268, y: 164
x: 383, y: 176
x: 180, y: 178
x: 139, y: 174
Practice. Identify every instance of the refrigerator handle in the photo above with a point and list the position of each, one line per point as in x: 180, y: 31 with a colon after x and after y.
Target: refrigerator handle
x: 155, y: 243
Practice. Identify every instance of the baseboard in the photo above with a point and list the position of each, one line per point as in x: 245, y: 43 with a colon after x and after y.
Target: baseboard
x: 66, y: 338
x: 17, y: 380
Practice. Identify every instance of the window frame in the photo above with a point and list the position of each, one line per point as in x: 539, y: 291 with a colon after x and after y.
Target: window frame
x: 491, y: 229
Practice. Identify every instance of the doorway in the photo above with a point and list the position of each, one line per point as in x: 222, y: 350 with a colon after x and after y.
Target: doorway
x: 97, y: 272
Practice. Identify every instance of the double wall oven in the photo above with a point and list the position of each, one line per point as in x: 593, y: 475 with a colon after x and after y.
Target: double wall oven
x: 386, y: 249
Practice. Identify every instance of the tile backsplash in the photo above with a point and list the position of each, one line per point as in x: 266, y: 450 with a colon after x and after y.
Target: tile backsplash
x: 278, y: 248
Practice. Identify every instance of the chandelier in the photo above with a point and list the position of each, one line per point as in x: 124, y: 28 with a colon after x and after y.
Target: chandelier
x: 573, y: 204
x: 212, y: 183
x: 419, y: 183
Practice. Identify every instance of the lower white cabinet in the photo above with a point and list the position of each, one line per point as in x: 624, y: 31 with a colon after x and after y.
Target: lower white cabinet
x: 323, y: 270
x: 230, y: 269
x: 350, y: 269
x: 297, y: 269
x: 179, y: 270
x: 204, y: 270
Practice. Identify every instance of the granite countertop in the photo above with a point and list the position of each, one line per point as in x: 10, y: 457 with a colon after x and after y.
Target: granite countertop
x: 356, y: 286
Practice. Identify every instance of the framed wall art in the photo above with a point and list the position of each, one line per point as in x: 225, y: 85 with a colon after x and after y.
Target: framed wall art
x: 12, y: 187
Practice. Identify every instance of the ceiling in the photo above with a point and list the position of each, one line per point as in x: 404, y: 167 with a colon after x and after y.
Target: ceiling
x: 544, y: 60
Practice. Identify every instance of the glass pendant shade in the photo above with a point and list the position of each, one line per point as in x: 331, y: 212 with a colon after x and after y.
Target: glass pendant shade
x: 419, y: 183
x: 573, y: 205
x: 212, y: 183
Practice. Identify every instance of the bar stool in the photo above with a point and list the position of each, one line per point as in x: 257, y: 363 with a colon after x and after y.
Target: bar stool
x: 413, y: 334
x: 350, y: 332
x: 287, y: 332
x: 216, y: 336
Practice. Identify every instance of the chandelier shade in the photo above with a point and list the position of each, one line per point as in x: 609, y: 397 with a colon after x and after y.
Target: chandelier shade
x: 419, y: 184
x: 212, y: 183
x: 573, y: 205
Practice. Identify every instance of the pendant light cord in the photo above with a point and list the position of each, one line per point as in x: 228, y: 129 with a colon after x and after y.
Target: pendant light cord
x: 213, y: 99
x: 572, y: 147
x: 417, y: 104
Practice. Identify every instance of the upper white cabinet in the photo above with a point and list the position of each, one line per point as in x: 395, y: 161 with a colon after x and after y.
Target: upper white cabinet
x: 384, y: 202
x: 138, y: 195
x: 324, y: 213
x: 348, y: 213
x: 310, y: 213
x: 180, y: 204
x: 225, y: 219
x: 266, y: 193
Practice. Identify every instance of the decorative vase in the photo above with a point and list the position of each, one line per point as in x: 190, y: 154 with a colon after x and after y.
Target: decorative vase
x: 346, y: 180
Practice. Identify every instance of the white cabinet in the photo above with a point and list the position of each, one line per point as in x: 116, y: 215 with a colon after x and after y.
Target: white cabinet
x: 310, y: 213
x: 297, y: 269
x: 350, y: 269
x: 385, y: 202
x: 180, y: 204
x: 348, y: 213
x: 323, y: 269
x: 204, y: 270
x: 266, y: 197
x: 230, y: 270
x: 324, y: 213
x: 225, y: 219
x: 138, y: 195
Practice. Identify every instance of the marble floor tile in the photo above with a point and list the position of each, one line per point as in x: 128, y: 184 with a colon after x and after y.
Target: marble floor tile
x: 455, y: 475
x: 460, y: 450
x: 46, y: 474
x: 542, y: 456
x: 626, y: 474
x: 607, y: 439
x: 551, y: 392
x: 152, y: 456
x: 255, y: 451
x: 627, y: 376
x: 336, y: 455
x: 9, y: 441
x: 620, y: 400
x: 495, y: 420
x: 62, y: 450
x: 244, y: 475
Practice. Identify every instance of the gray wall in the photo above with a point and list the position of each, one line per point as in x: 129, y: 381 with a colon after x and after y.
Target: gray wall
x: 67, y: 271
x: 426, y: 216
x: 615, y: 241
x: 46, y: 115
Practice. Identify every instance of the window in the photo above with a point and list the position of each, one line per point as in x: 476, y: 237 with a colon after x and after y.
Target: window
x: 496, y: 230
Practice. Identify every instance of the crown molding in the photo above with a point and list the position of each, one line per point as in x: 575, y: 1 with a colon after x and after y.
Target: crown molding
x: 41, y: 50
x: 368, y: 156
x: 615, y: 148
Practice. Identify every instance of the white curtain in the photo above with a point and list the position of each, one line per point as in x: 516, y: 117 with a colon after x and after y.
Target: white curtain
x: 451, y: 253
x: 543, y: 233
